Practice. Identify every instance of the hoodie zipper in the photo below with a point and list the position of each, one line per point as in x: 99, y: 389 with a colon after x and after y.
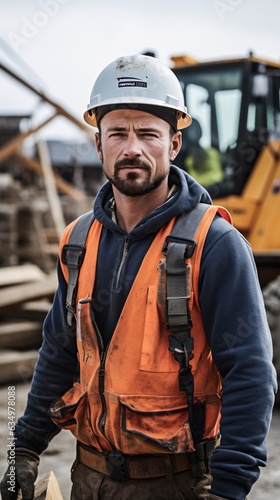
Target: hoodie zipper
x: 120, y: 269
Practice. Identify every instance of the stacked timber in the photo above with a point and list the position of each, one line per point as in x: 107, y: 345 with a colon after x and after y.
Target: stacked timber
x: 26, y: 293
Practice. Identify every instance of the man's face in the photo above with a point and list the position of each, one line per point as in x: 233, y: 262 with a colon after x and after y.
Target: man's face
x: 136, y: 150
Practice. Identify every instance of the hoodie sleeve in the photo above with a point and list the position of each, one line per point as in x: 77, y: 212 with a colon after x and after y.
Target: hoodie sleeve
x: 236, y: 327
x: 54, y: 373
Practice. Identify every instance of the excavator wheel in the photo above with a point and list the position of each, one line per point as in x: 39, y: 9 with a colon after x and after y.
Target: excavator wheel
x: 271, y: 295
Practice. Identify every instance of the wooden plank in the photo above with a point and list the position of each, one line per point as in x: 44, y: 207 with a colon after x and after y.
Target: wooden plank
x: 20, y: 334
x: 34, y: 310
x: 18, y: 294
x: 26, y: 273
x: 16, y: 365
x: 48, y: 488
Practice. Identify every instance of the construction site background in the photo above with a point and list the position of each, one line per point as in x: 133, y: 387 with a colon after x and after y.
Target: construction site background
x: 44, y: 185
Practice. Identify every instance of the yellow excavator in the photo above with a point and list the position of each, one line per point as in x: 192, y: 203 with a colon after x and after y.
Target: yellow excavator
x: 234, y: 151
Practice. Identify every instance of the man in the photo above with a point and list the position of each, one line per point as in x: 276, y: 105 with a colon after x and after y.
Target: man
x: 139, y: 434
x: 204, y: 164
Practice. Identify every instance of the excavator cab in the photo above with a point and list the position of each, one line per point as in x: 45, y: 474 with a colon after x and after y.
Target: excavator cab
x: 237, y: 105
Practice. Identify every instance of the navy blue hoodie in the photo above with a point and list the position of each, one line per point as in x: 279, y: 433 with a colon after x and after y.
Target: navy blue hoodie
x: 234, y: 319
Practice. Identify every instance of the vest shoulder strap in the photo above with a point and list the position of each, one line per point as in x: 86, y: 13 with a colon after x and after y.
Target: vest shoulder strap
x: 178, y: 247
x: 72, y: 256
x: 188, y: 222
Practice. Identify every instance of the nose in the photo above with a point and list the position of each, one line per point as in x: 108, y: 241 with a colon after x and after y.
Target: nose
x: 132, y: 146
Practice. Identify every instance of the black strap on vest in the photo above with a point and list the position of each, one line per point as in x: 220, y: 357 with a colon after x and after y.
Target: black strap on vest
x: 72, y: 256
x: 178, y: 247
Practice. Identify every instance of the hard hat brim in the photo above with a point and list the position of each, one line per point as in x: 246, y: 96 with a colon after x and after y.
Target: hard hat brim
x: 183, y: 121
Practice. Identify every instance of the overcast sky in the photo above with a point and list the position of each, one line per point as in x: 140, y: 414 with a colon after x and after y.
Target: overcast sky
x: 67, y: 42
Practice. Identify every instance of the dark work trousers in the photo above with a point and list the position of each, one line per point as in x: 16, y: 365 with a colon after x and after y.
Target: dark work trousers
x: 91, y: 485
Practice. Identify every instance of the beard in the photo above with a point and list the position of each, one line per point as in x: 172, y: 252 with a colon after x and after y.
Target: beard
x: 130, y: 186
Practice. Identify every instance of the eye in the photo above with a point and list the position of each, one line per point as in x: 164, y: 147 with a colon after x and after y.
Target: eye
x: 117, y: 134
x: 148, y: 134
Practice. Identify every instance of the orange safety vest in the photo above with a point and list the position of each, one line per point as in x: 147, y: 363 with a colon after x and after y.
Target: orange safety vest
x: 128, y: 397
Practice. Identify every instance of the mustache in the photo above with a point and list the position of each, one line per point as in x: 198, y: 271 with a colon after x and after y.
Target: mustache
x: 134, y: 162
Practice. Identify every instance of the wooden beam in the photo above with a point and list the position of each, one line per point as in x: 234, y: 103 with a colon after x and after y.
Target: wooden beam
x: 52, y: 195
x: 9, y: 148
x: 61, y: 184
x: 60, y: 110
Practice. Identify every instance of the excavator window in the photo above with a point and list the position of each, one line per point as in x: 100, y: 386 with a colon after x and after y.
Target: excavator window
x: 213, y: 95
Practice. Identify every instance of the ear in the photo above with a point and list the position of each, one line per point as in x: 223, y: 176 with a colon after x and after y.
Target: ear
x: 98, y: 146
x: 175, y: 145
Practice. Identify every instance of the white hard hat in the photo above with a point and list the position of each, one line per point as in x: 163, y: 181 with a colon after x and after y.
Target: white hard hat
x: 138, y: 82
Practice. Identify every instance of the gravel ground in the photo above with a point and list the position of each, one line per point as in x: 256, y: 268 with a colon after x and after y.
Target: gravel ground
x: 61, y: 452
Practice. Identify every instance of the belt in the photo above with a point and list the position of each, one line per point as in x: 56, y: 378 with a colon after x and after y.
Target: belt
x: 122, y: 467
